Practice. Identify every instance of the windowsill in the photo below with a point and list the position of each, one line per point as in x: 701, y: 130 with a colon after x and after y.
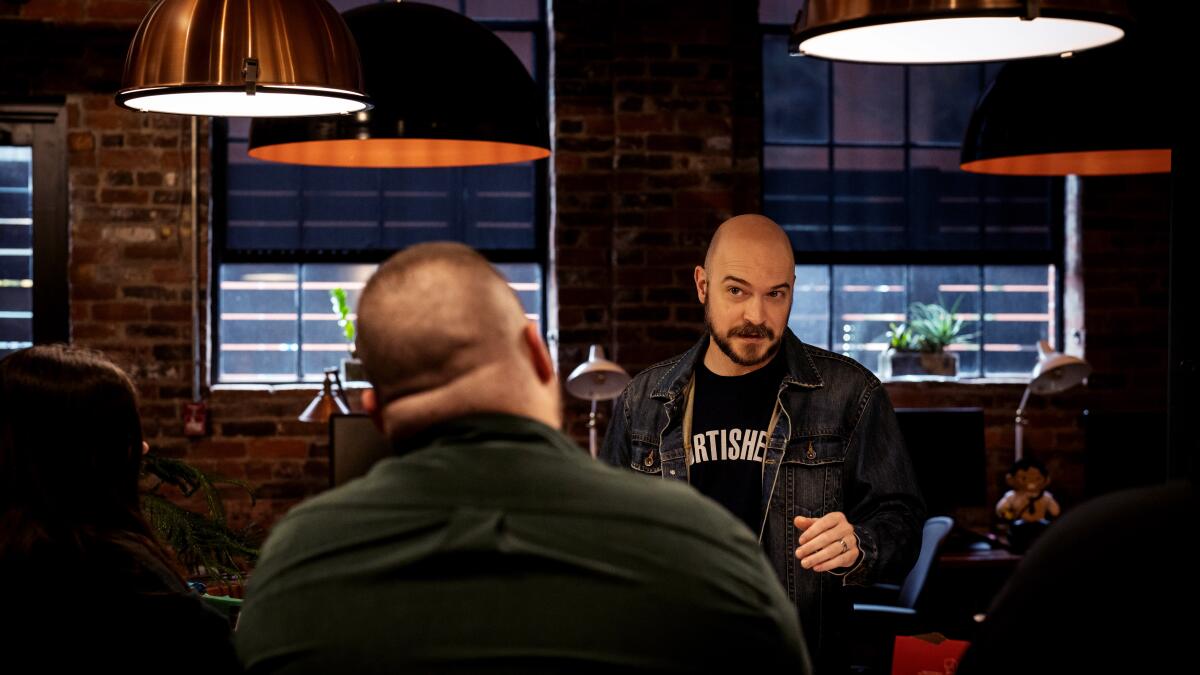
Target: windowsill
x: 314, y: 386
x: 1010, y: 380
x: 282, y: 386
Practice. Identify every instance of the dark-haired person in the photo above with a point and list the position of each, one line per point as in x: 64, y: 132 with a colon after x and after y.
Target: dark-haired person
x: 85, y: 583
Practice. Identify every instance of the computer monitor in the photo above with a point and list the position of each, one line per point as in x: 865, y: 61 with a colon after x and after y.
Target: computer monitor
x: 354, y: 447
x: 947, y: 450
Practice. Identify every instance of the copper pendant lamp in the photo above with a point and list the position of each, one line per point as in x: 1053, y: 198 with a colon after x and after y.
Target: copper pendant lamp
x: 954, y: 31
x: 243, y: 58
x: 447, y: 92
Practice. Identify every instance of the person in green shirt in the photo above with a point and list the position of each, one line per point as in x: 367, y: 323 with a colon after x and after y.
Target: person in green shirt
x: 490, y: 542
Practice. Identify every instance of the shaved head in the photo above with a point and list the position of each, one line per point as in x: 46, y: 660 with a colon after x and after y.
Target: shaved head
x: 748, y: 233
x: 746, y: 288
x: 431, y: 314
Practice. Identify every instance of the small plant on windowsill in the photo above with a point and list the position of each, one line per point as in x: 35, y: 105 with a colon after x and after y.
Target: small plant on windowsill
x: 352, y: 368
x: 918, y: 347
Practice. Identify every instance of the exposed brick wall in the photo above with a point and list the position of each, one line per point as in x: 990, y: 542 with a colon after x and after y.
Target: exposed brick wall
x: 658, y: 140
x: 131, y: 298
x: 657, y: 109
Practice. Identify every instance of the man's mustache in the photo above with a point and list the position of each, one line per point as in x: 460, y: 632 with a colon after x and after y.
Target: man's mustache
x: 750, y: 330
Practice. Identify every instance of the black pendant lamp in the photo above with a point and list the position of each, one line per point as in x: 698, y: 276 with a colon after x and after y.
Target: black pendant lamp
x: 954, y: 31
x: 447, y: 92
x: 1099, y: 113
x: 243, y: 58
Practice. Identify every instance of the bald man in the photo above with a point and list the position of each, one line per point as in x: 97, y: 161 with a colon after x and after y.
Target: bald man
x: 490, y: 542
x: 799, y: 443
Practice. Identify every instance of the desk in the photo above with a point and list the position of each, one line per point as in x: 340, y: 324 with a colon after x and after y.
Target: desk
x: 989, y: 558
x: 962, y: 584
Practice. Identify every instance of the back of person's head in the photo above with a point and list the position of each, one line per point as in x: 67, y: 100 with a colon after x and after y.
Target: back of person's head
x: 441, y: 334
x: 70, y: 450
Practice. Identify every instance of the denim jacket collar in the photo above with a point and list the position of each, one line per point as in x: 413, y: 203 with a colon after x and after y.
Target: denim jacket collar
x: 801, y: 371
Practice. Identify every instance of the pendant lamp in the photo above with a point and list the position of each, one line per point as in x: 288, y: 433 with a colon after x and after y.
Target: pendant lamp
x: 243, y: 58
x: 1099, y: 113
x: 954, y: 31
x: 447, y: 92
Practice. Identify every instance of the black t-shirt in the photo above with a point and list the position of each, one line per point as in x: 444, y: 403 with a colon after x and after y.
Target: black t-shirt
x: 730, y: 416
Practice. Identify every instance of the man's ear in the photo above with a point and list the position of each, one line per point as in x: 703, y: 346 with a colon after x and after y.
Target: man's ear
x: 701, y: 283
x: 538, y: 354
x: 370, y: 404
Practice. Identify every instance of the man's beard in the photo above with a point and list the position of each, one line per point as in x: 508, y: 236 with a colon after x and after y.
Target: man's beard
x: 745, y: 330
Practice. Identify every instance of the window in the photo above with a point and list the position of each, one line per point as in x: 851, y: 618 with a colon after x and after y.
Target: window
x: 860, y: 167
x: 33, y: 225
x: 286, y: 235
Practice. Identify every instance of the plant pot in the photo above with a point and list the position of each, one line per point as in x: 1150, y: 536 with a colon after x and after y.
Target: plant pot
x: 352, y: 371
x: 894, y: 364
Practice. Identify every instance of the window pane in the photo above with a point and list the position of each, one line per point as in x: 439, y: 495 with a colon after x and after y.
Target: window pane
x: 521, y: 42
x: 344, y: 5
x: 941, y: 100
x: 16, y: 248
x: 1018, y: 212
x: 420, y: 205
x: 809, y: 319
x: 520, y: 10
x: 259, y: 324
x: 865, y: 300
x: 796, y: 185
x: 323, y: 342
x: 1018, y: 312
x: 869, y: 205
x: 1005, y: 310
x: 526, y: 281
x: 868, y: 103
x: 944, y: 203
x: 341, y: 208
x: 795, y: 95
x: 958, y: 289
x: 499, y: 206
x: 264, y: 338
x: 263, y: 202
x: 777, y: 12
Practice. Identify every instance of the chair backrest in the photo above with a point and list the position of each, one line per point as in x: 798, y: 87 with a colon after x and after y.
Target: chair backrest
x: 936, y: 529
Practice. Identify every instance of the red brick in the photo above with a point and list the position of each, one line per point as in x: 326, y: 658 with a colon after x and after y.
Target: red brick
x: 173, y: 312
x: 110, y: 196
x: 119, y: 311
x: 81, y: 141
x: 278, y: 447
x: 124, y: 158
x: 219, y: 448
x: 93, y: 331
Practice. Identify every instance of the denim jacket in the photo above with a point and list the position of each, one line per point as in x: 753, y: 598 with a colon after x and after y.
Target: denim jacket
x: 835, y: 446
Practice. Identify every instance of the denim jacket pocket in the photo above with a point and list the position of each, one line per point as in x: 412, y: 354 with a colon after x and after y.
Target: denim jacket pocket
x: 812, y: 480
x: 643, y: 455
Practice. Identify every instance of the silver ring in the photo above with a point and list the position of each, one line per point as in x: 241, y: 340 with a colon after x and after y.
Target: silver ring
x: 845, y: 546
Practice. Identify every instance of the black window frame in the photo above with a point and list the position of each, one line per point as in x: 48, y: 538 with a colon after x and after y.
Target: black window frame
x: 978, y: 257
x: 218, y: 208
x: 47, y: 119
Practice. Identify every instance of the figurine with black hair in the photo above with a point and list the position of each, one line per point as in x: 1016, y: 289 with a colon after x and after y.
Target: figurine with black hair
x: 1028, y: 507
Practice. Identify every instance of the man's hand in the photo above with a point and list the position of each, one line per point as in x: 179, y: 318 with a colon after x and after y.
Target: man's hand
x: 827, y: 542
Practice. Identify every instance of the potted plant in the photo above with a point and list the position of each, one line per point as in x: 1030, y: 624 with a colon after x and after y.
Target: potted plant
x: 203, y: 542
x: 351, y: 367
x: 918, y: 346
